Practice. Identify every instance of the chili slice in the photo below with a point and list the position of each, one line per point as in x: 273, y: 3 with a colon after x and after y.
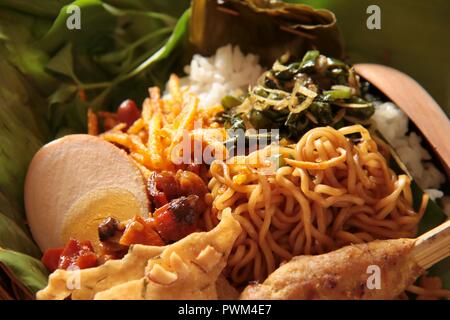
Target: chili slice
x: 77, y: 254
x: 51, y: 257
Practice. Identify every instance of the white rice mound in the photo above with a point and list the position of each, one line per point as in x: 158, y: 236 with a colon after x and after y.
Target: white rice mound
x: 227, y: 72
x: 393, y: 125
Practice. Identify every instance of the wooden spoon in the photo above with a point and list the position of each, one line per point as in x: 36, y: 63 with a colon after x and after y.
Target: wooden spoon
x: 415, y: 102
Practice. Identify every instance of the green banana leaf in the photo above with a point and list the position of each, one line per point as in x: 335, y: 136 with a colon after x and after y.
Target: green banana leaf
x: 20, y: 137
x: 45, y: 9
x: 19, y: 33
x: 43, y: 67
x: 9, y: 209
x: 21, y: 133
x: 263, y: 27
x: 14, y: 238
x: 27, y: 274
x: 433, y: 217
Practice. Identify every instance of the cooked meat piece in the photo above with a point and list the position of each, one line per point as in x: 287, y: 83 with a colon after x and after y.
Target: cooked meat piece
x: 191, y: 184
x: 166, y: 186
x: 141, y: 231
x: 107, y: 228
x: 162, y: 188
x: 177, y: 219
x: 347, y: 273
x: 109, y: 232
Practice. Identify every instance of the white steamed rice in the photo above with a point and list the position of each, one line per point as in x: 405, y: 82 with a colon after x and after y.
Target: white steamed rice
x: 393, y: 125
x: 226, y: 72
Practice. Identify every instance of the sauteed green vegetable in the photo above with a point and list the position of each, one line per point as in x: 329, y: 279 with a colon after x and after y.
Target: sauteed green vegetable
x: 299, y: 94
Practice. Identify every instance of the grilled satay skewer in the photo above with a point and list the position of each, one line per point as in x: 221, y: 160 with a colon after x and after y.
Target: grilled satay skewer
x: 380, y: 269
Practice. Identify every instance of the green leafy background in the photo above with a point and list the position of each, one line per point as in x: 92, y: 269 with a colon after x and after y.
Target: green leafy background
x: 123, y: 46
x: 126, y: 45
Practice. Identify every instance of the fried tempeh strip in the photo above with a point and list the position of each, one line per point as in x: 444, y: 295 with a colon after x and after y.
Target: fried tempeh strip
x: 154, y: 141
x: 121, y: 139
x: 343, y: 274
x: 92, y: 122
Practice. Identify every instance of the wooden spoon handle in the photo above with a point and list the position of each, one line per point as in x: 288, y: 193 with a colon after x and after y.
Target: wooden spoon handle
x: 433, y: 246
x: 417, y: 104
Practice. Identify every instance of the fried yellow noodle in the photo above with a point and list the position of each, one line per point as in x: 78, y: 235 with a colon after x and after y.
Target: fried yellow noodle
x: 329, y: 192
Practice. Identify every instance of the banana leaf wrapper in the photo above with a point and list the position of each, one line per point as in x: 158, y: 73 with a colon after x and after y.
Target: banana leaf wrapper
x: 266, y: 28
x: 21, y: 275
